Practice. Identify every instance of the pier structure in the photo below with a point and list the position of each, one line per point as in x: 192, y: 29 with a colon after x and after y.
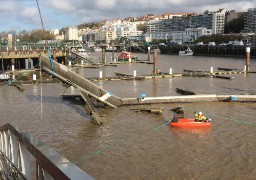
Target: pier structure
x: 205, y: 50
x: 86, y: 89
x: 16, y: 59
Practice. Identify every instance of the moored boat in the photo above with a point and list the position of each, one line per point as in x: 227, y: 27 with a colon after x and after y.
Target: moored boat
x: 187, y: 52
x: 190, y: 123
x: 4, y: 77
x: 127, y: 56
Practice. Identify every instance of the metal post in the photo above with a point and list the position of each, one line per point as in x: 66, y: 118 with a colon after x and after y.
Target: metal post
x: 248, y: 58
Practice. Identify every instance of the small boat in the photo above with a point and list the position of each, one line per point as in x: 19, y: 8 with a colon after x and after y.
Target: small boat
x: 82, y: 52
x: 189, y: 123
x: 4, y: 77
x: 127, y: 56
x: 187, y: 52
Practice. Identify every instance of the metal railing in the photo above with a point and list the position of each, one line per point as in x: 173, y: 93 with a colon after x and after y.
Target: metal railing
x: 23, y: 156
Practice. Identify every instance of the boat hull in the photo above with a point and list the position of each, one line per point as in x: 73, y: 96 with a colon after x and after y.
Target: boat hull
x: 189, y: 123
x: 127, y: 59
x: 183, y: 53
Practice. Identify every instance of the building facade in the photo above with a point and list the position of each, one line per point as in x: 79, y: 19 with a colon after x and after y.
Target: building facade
x: 209, y: 20
x: 188, y: 35
x: 71, y: 33
x: 105, y: 36
x: 250, y: 21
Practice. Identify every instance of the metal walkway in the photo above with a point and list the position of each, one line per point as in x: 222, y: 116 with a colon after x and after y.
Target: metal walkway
x: 84, y: 86
x: 86, y: 58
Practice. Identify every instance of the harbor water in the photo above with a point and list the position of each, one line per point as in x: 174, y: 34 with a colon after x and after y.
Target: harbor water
x: 140, y: 145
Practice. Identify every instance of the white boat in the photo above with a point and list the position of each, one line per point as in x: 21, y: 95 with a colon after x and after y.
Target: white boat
x: 187, y: 52
x: 4, y: 77
x: 82, y: 52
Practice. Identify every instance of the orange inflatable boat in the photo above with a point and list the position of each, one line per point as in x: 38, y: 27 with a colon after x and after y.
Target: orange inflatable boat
x: 189, y: 123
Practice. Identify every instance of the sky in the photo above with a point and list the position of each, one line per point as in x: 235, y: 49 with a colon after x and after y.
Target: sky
x: 21, y: 15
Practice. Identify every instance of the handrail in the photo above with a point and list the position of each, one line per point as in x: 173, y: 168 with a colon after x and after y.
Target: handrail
x: 15, y: 147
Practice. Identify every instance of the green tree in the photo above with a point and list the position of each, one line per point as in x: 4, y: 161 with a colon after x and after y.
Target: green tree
x: 142, y: 27
x: 36, y: 35
x: 235, y: 26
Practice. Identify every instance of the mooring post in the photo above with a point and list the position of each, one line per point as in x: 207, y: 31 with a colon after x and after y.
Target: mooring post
x: 211, y: 71
x: 54, y: 55
x: 34, y: 77
x: 248, y: 58
x: 13, y: 64
x: 148, y: 53
x: 134, y: 73
x: 155, y: 62
x: 103, y: 55
x: 100, y: 74
x: 170, y: 72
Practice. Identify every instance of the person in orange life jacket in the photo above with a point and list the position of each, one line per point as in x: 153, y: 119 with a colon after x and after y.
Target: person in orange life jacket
x: 175, y: 118
x: 199, y: 117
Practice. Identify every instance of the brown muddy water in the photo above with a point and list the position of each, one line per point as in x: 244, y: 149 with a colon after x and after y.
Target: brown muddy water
x: 139, y: 145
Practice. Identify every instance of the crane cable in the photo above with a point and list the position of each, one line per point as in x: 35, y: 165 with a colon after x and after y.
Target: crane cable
x: 40, y: 63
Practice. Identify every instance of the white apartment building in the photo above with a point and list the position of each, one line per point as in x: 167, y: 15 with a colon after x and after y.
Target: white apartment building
x: 105, y: 36
x: 71, y: 33
x: 188, y: 35
x: 218, y: 21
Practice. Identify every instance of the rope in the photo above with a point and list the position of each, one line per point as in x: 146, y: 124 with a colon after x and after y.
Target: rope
x: 41, y: 86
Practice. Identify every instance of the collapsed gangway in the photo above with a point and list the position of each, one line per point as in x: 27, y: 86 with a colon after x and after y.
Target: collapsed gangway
x: 85, y: 88
x: 83, y: 57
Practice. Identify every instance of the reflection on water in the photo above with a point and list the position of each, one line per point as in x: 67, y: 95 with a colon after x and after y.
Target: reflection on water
x: 138, y: 145
x: 189, y: 133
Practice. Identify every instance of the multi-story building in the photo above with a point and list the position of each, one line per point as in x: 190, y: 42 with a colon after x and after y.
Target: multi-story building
x: 185, y: 36
x: 230, y: 15
x: 71, y: 33
x: 209, y: 20
x: 105, y: 36
x: 250, y: 21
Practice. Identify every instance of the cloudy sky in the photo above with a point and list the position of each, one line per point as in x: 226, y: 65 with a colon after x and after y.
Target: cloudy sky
x: 23, y: 14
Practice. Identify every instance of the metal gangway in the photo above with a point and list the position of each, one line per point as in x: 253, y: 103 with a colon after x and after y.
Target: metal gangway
x: 23, y: 156
x: 141, y: 49
x: 83, y: 57
x: 86, y: 89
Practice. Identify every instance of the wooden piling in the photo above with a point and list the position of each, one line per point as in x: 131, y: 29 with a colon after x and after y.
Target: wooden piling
x: 155, y: 62
x: 247, y: 59
x: 103, y: 55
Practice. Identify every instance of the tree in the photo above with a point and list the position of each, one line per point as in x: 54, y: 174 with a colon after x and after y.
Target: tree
x: 142, y: 27
x: 36, y: 35
x: 219, y: 38
x: 235, y: 26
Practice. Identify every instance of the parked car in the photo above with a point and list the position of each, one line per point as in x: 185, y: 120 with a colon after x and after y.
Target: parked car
x: 211, y: 44
x: 199, y: 44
